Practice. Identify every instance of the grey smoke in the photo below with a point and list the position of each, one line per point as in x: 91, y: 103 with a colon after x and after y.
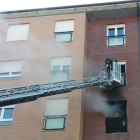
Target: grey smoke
x: 98, y: 103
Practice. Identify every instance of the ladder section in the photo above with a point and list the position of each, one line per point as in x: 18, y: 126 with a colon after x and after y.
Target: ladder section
x: 28, y: 93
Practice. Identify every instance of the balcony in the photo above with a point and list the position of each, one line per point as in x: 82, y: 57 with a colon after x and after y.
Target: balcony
x: 63, y: 36
x: 115, y: 40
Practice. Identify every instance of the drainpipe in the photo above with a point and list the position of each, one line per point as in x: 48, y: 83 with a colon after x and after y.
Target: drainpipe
x: 138, y: 28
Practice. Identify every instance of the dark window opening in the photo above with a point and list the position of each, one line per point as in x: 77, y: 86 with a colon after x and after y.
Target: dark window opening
x: 116, y: 120
x: 123, y: 69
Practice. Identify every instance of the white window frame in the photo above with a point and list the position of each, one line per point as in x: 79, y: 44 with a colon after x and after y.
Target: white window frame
x: 2, y: 113
x: 64, y: 32
x: 116, y: 27
x: 61, y: 70
x: 55, y: 116
x: 123, y: 62
x: 10, y: 75
x: 61, y: 67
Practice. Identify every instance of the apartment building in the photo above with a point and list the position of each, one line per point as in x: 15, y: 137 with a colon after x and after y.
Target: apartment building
x: 63, y: 43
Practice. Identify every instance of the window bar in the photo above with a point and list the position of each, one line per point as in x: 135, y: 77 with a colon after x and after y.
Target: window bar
x: 123, y: 40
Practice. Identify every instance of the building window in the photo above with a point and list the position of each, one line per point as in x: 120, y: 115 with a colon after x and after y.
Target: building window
x: 10, y: 70
x: 116, y: 121
x: 123, y: 72
x: 6, y: 115
x: 64, y: 31
x: 56, y: 114
x: 116, y: 35
x: 60, y: 69
x: 17, y: 32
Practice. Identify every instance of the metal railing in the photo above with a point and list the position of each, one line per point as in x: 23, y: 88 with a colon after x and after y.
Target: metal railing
x: 63, y: 36
x: 116, y: 40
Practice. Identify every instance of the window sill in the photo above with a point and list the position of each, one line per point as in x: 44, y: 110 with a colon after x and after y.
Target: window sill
x: 44, y: 130
x: 15, y: 40
x: 62, y: 42
x: 125, y: 132
x: 9, y: 78
x: 116, y: 46
x: 5, y: 123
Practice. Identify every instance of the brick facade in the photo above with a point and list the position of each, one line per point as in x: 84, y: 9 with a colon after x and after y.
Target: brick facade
x: 36, y: 53
x: 97, y: 52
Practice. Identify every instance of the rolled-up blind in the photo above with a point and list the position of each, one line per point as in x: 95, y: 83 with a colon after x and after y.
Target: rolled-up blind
x: 57, y: 106
x: 10, y: 66
x: 64, y: 26
x: 61, y: 61
x: 17, y: 32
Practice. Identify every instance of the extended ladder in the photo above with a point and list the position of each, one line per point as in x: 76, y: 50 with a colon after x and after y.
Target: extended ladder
x: 28, y: 93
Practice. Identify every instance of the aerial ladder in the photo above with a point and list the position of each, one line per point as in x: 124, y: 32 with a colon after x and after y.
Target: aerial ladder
x: 109, y: 78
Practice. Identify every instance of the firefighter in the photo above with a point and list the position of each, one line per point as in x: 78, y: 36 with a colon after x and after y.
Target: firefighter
x: 109, y: 66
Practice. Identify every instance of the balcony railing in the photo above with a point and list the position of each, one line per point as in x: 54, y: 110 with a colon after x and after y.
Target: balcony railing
x: 116, y: 40
x: 54, y: 122
x: 63, y: 36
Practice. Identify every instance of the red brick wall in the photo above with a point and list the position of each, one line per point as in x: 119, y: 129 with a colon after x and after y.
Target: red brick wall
x: 97, y: 52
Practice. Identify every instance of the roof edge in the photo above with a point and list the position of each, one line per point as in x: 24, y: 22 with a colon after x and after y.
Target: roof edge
x: 65, y: 7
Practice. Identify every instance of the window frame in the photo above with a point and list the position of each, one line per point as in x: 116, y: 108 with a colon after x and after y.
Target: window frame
x: 116, y: 35
x: 2, y: 113
x: 55, y: 116
x: 60, y: 33
x: 10, y: 75
x: 60, y: 71
x: 117, y: 118
x: 121, y: 62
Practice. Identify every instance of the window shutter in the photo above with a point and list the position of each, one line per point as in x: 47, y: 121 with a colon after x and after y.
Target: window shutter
x: 17, y: 32
x: 57, y: 106
x: 61, y: 61
x: 10, y: 66
x: 64, y: 26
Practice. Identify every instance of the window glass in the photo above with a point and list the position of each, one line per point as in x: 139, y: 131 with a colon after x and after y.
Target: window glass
x: 66, y: 68
x: 55, y: 123
x: 8, y: 113
x: 63, y: 37
x: 115, y: 41
x: 16, y: 73
x: 4, y: 74
x: 60, y: 76
x: 111, y: 32
x: 120, y: 31
x: 123, y: 72
x: 56, y: 68
x: 0, y: 112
